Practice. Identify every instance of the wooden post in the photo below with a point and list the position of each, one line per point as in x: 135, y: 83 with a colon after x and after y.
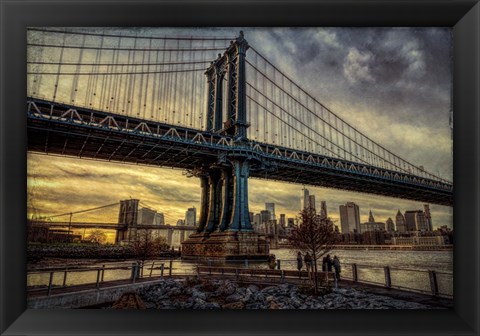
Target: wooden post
x: 278, y: 264
x: 246, y: 263
x: 388, y: 278
x: 170, y: 269
x: 65, y: 278
x: 50, y: 281
x: 98, y: 278
x: 161, y: 269
x: 283, y: 276
x: 151, y: 269
x: 433, y: 282
x: 134, y: 272
x: 354, y: 272
x: 103, y: 273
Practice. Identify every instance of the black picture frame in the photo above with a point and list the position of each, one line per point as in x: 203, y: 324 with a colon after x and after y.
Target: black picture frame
x: 463, y: 16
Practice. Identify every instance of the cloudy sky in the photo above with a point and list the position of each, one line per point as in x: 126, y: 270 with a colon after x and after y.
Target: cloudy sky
x: 392, y: 84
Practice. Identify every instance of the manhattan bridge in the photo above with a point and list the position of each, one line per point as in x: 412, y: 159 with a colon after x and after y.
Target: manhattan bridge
x: 214, y: 107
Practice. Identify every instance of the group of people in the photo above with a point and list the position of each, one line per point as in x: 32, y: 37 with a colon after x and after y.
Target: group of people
x: 328, y: 264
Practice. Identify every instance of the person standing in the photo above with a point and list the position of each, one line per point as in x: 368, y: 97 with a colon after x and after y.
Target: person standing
x: 328, y: 263
x: 299, y: 261
x: 308, y: 261
x: 272, y: 261
x: 337, y: 267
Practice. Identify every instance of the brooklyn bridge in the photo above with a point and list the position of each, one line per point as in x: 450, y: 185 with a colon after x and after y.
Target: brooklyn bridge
x: 214, y: 107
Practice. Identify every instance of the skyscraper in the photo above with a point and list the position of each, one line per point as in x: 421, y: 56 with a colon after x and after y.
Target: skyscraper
x: 265, y: 216
x: 191, y: 217
x: 311, y: 202
x: 146, y: 216
x: 283, y: 221
x: 159, y: 219
x: 415, y: 220
x: 400, y: 222
x: 305, y: 200
x: 323, y: 209
x: 428, y: 216
x: 390, y: 226
x: 372, y: 225
x: 350, y: 217
x: 271, y: 208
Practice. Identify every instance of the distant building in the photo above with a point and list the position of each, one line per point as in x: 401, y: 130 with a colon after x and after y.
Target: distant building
x: 311, y: 203
x: 191, y: 217
x: 371, y: 225
x: 323, y: 209
x: 257, y: 220
x: 373, y: 237
x: 428, y: 217
x: 305, y: 200
x: 250, y: 214
x: 271, y: 227
x: 290, y: 222
x: 265, y: 216
x: 400, y: 222
x: 283, y: 221
x: 146, y: 216
x: 350, y: 217
x: 271, y: 208
x: 415, y: 220
x: 63, y: 236
x: 390, y: 225
x: 159, y: 219
x: 416, y: 240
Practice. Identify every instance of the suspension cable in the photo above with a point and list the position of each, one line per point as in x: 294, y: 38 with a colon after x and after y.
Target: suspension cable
x: 196, y: 38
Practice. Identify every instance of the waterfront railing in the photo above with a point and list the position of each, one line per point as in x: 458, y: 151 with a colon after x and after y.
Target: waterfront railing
x: 433, y: 282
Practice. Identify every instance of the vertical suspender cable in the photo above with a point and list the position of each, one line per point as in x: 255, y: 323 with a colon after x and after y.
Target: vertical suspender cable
x: 57, y: 79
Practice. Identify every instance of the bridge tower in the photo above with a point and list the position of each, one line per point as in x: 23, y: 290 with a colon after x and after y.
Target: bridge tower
x: 127, y: 220
x: 224, y: 229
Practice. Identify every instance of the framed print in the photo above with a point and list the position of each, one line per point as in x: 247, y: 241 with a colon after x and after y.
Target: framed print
x: 228, y: 95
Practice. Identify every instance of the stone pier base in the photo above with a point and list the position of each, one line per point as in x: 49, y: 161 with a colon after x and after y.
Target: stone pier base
x: 227, y: 245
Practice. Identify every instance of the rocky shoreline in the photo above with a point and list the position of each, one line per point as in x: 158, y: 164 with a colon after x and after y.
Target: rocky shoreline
x: 226, y: 294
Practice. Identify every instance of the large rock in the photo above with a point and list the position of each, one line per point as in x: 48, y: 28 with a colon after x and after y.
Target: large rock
x: 198, y: 294
x: 234, y: 298
x: 227, y: 288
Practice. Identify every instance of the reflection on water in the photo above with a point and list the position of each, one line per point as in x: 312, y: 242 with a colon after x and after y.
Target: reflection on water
x: 408, y: 269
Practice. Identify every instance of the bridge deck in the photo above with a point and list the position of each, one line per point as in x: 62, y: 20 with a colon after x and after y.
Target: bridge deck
x: 97, y: 135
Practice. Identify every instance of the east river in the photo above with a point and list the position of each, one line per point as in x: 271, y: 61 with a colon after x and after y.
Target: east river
x: 408, y: 269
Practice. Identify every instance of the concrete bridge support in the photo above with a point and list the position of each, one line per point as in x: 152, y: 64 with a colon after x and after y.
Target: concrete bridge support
x: 224, y: 229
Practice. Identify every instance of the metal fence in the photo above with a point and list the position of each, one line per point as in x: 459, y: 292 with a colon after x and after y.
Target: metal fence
x: 54, y: 278
x: 436, y: 283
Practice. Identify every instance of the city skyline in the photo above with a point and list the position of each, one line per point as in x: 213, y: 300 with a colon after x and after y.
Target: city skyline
x: 396, y: 90
x: 287, y: 201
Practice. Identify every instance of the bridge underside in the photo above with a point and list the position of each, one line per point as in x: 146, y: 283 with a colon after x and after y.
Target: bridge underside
x: 330, y: 178
x: 92, y: 135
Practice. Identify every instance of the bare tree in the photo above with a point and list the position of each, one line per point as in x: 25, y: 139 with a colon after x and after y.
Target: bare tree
x: 315, y: 234
x: 147, y: 246
x: 97, y: 237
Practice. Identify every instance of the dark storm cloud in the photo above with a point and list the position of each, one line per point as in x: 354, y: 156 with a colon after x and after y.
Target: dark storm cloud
x: 393, y: 84
x: 395, y: 63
